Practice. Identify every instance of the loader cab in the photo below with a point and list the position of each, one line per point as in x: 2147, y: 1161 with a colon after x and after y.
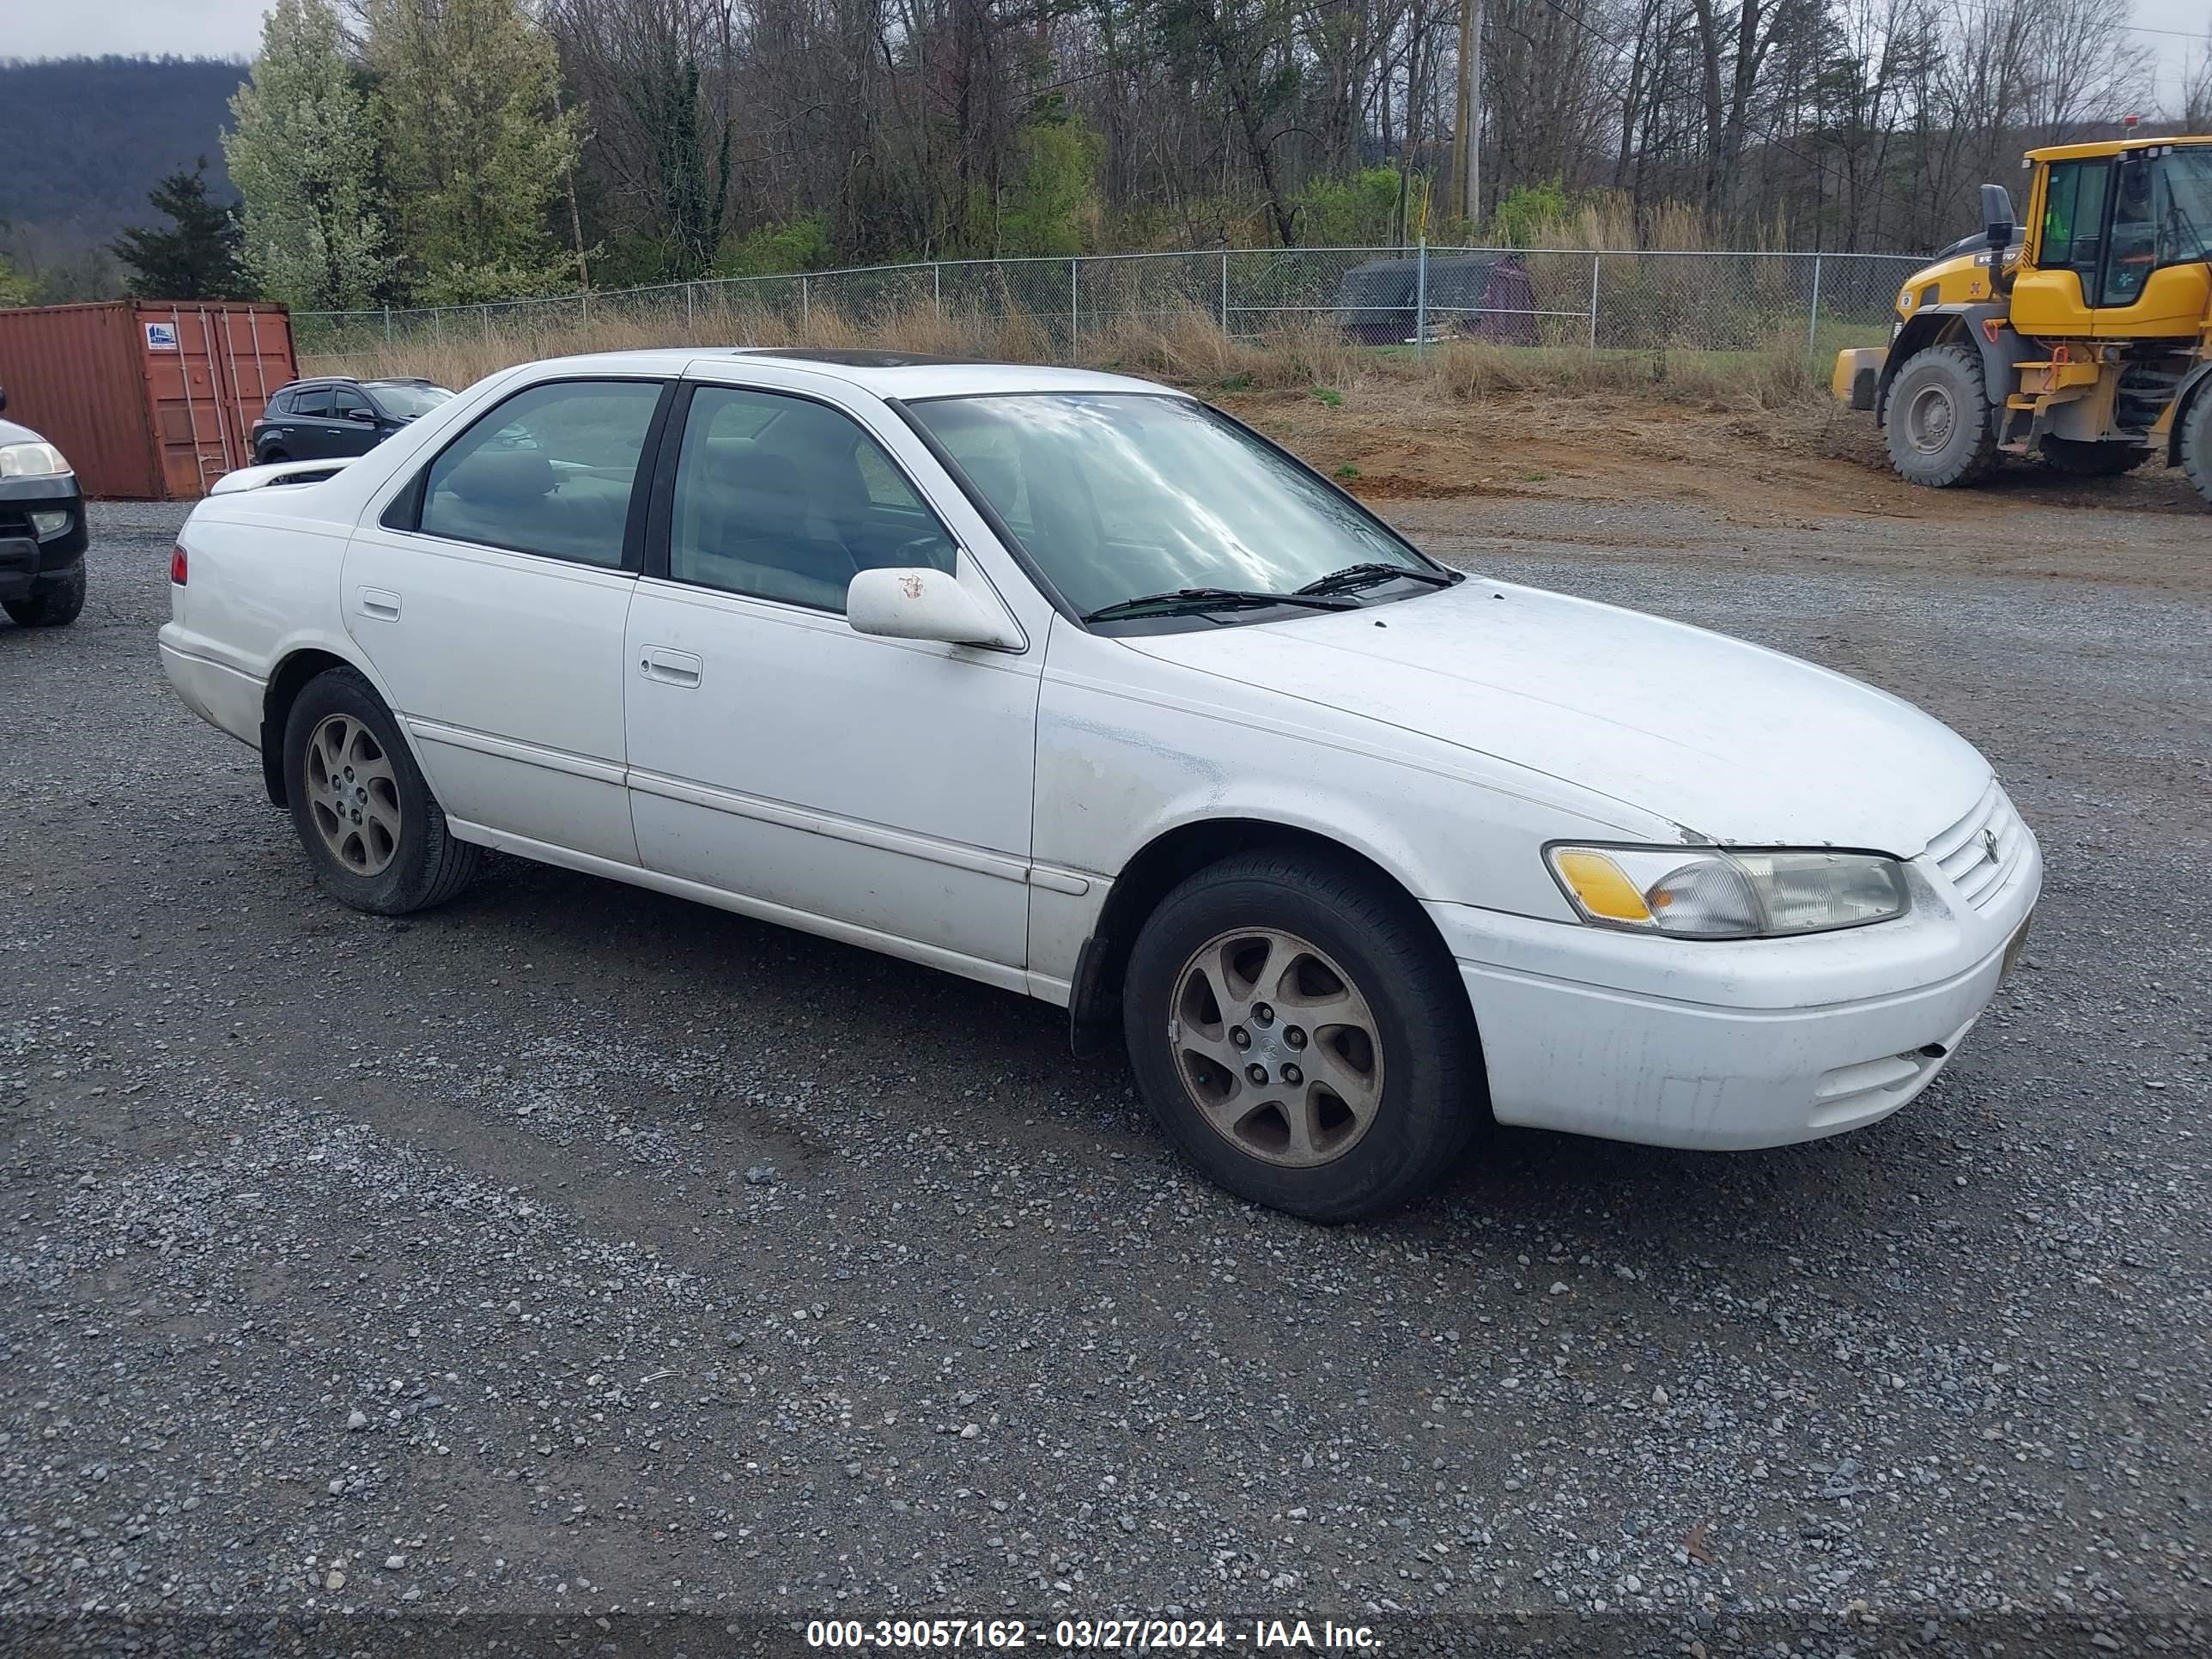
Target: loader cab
x: 2118, y: 240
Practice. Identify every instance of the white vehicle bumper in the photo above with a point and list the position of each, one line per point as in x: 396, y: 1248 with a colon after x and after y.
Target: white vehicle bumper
x: 227, y: 698
x: 1729, y: 1045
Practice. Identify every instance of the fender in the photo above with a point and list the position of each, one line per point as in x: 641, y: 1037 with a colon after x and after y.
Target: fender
x: 2001, y: 357
x: 2193, y: 385
x: 344, y: 648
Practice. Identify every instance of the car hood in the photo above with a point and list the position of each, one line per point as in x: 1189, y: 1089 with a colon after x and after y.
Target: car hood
x: 11, y: 432
x: 1728, y: 741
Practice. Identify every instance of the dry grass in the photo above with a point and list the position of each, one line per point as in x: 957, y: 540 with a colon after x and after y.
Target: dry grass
x: 1184, y: 348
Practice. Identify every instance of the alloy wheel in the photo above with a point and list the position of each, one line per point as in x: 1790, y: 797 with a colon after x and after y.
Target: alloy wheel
x: 353, y: 795
x: 1276, y: 1046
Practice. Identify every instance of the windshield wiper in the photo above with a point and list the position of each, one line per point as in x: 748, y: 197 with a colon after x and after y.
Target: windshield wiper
x: 1373, y: 571
x: 1183, y: 600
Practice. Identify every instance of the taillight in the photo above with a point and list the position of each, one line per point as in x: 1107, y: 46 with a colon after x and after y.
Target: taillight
x: 177, y: 570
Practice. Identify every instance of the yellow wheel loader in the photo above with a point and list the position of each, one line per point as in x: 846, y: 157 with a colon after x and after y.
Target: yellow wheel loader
x: 2083, y: 339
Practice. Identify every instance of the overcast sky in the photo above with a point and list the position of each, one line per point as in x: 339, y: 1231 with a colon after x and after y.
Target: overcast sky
x: 230, y: 28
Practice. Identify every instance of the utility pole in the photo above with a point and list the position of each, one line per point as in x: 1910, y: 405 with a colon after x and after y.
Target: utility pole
x: 1467, y: 125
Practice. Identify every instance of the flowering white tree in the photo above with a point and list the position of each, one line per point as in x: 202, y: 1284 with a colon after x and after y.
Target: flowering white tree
x: 304, y: 158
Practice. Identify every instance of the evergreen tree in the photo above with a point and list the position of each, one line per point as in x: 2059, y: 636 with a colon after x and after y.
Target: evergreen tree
x: 474, y: 149
x: 197, y: 258
x: 304, y: 160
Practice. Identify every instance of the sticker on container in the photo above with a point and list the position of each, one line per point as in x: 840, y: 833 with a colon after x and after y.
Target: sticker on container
x: 161, y: 336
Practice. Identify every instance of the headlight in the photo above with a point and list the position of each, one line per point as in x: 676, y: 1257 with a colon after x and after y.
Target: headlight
x: 1705, y: 893
x: 31, y: 461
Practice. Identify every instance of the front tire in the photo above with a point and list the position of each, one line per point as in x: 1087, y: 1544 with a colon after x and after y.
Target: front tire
x: 373, y: 831
x: 1302, y: 1036
x: 2079, y: 458
x: 2197, y: 444
x: 1937, y: 418
x: 56, y: 605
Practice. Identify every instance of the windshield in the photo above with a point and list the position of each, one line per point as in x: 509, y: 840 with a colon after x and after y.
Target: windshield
x: 406, y: 402
x: 1119, y: 496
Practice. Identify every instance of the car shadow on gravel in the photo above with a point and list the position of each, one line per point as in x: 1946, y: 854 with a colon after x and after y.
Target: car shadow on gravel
x: 863, y: 1017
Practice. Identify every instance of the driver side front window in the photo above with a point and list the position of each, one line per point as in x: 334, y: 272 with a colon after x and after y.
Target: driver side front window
x: 782, y: 498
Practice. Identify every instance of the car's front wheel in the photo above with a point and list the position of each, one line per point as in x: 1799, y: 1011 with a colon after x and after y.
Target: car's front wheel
x: 1298, y: 1030
x: 374, y: 833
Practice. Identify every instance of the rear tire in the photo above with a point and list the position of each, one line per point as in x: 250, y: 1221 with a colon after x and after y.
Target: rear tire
x: 1937, y: 418
x: 2197, y: 444
x: 1302, y: 1036
x: 373, y: 831
x: 2080, y: 458
x: 55, y: 605
x: 270, y: 457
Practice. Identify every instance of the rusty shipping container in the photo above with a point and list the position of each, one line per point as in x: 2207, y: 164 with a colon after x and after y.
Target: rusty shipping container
x: 150, y: 399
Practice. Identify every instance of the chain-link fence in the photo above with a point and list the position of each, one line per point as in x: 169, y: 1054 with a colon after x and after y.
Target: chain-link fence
x: 1628, y: 299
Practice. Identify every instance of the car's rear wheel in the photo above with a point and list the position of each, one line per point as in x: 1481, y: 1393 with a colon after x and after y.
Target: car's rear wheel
x: 374, y: 833
x: 56, y: 605
x: 1301, y: 1034
x: 269, y: 457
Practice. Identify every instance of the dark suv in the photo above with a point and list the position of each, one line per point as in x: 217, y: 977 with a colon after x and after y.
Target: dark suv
x: 318, y: 420
x: 42, y: 531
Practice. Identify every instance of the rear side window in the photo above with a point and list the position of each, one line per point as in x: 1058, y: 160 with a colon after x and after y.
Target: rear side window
x: 550, y: 471
x: 312, y: 401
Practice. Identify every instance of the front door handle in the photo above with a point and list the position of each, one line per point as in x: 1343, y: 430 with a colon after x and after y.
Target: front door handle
x: 378, y: 602
x: 670, y: 667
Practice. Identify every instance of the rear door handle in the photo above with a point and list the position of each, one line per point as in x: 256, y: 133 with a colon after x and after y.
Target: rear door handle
x: 680, y: 668
x: 378, y: 602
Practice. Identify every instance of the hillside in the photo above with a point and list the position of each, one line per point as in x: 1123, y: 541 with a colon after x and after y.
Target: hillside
x: 83, y: 139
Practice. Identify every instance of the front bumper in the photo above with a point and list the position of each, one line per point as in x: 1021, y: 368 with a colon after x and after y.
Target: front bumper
x: 27, y: 558
x: 1727, y: 1046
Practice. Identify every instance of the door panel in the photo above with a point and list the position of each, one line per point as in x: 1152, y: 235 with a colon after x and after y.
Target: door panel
x: 508, y: 669
x: 505, y: 661
x: 880, y: 782
x: 2171, y: 304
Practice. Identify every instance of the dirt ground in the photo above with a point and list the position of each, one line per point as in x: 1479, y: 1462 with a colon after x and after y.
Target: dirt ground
x: 1648, y: 478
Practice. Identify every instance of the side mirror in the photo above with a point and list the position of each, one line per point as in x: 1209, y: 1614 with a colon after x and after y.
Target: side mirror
x: 1996, y: 216
x: 366, y: 416
x: 923, y: 603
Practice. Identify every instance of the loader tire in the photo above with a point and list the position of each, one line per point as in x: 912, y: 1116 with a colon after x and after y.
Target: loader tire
x: 2078, y: 458
x: 1938, y: 418
x: 2197, y: 446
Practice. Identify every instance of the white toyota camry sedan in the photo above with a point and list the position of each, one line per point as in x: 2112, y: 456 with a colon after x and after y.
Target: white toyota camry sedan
x: 1071, y: 684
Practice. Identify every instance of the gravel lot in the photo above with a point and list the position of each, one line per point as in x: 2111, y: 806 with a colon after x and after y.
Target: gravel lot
x: 573, y: 1250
